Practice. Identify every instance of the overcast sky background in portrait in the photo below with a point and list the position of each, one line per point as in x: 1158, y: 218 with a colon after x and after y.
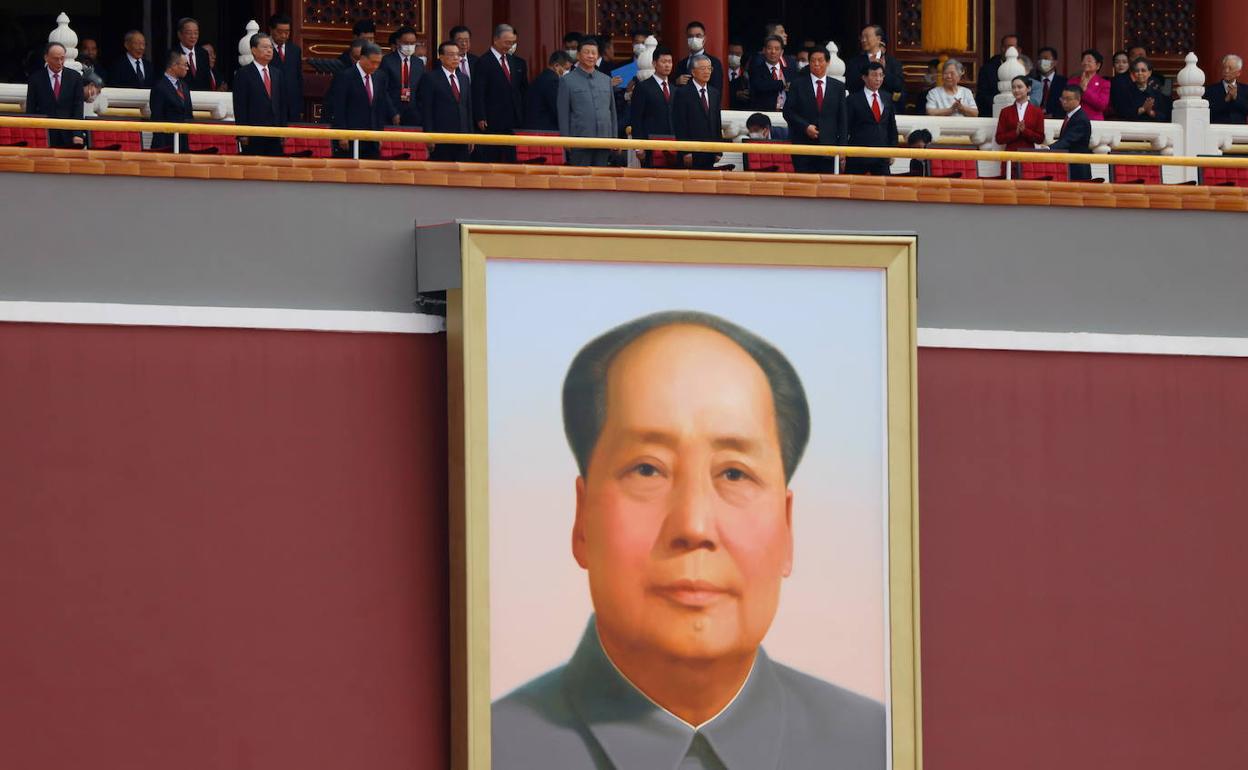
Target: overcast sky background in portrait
x: 830, y: 325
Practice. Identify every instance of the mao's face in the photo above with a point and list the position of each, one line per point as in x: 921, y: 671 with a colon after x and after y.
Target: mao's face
x: 684, y: 519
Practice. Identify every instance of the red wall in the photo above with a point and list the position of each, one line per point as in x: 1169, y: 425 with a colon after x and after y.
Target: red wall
x: 227, y: 548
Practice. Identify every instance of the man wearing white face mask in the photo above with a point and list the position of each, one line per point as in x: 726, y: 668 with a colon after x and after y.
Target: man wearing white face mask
x: 695, y: 38
x: 403, y: 75
x: 1047, y: 84
x: 738, y: 80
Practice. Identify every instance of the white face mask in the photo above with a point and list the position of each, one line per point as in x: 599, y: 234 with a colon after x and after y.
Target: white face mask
x: 695, y: 43
x: 571, y: 52
x: 1046, y: 65
x: 422, y: 60
x: 734, y: 61
x: 407, y: 50
x: 638, y: 49
x: 512, y: 51
x: 758, y: 135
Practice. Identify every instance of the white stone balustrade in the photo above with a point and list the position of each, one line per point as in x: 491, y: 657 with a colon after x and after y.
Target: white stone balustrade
x: 68, y: 38
x: 244, y: 43
x: 219, y: 104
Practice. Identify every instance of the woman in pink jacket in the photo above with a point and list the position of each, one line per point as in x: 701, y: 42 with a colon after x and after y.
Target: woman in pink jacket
x: 1095, y: 88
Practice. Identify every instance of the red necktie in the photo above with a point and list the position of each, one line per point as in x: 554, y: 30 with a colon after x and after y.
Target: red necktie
x: 181, y: 95
x: 407, y: 72
x: 1044, y: 100
x: 775, y: 72
x: 212, y: 80
x: 1063, y: 129
x: 191, y: 57
x: 875, y: 106
x: 281, y: 54
x: 819, y: 94
x: 454, y: 87
x: 667, y: 95
x: 56, y: 85
x: 506, y: 70
x: 368, y: 86
x: 268, y: 85
x: 706, y: 105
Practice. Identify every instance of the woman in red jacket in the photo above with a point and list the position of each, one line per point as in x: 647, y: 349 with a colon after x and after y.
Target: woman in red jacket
x: 1021, y: 125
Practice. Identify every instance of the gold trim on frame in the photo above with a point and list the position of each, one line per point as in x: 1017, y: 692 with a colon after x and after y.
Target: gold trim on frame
x: 466, y: 393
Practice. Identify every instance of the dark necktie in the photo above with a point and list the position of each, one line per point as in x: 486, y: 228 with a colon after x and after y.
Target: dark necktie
x: 667, y: 95
x: 191, y: 58
x: 454, y: 87
x: 819, y: 94
x: 56, y: 86
x: 268, y: 84
x: 138, y: 70
x: 1044, y: 98
x: 506, y: 70
x: 706, y: 105
x: 368, y: 86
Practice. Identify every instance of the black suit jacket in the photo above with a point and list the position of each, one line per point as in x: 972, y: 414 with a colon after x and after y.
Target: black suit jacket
x: 864, y: 131
x: 254, y: 107
x: 204, y: 78
x: 1053, y: 109
x: 41, y: 101
x: 442, y: 114
x: 894, y: 81
x: 496, y: 99
x: 738, y: 91
x: 1076, y: 137
x: 692, y: 123
x: 168, y: 107
x: 1222, y: 111
x: 1131, y: 100
x: 651, y: 112
x: 352, y: 109
x: 717, y: 70
x: 801, y: 110
x: 291, y: 66
x: 765, y: 89
x: 122, y: 74
x: 392, y: 65
x: 542, y: 112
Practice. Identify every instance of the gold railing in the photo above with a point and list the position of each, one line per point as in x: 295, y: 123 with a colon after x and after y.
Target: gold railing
x: 574, y: 142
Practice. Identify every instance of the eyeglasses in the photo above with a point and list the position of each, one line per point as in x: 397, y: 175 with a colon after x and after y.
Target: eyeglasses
x: 1144, y: 71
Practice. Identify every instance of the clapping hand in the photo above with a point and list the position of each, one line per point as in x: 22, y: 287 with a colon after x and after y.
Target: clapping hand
x: 1149, y: 107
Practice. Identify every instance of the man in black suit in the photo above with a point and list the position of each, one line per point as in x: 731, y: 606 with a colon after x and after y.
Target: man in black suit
x: 695, y: 114
x: 738, y: 80
x: 695, y: 39
x: 872, y: 42
x: 986, y: 82
x: 259, y: 98
x: 652, y: 103
x: 288, y: 58
x: 404, y: 73
x: 1076, y: 132
x: 199, y: 73
x: 54, y: 91
x: 133, y: 70
x: 500, y: 87
x: 364, y: 30
x: 815, y: 113
x: 542, y: 112
x: 1227, y: 104
x: 770, y: 76
x: 1047, y: 85
x: 461, y: 36
x: 872, y: 122
x: 446, y: 103
x: 362, y: 102
x: 170, y: 100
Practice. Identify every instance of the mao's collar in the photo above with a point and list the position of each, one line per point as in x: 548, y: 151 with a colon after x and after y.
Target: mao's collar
x: 637, y: 734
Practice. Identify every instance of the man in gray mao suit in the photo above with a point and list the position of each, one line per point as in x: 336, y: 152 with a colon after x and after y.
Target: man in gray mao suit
x: 683, y: 524
x: 587, y: 105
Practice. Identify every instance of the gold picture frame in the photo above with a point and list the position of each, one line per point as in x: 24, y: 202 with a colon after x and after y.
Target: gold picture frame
x: 468, y: 435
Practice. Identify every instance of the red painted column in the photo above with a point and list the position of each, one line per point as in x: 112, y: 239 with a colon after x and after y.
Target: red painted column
x: 712, y: 13
x: 1221, y: 28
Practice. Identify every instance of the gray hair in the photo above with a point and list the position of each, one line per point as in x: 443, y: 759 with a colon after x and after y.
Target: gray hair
x: 130, y: 35
x: 957, y: 65
x: 698, y: 60
x: 1239, y: 63
x: 370, y: 49
x: 258, y: 38
x: 502, y: 29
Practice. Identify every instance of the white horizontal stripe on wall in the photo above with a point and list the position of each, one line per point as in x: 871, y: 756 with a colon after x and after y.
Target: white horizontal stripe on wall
x: 1083, y: 342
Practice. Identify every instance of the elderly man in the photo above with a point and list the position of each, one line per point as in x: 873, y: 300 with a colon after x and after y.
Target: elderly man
x: 542, y: 112
x: 199, y: 73
x: 1227, y: 104
x: 684, y: 527
x: 816, y: 113
x: 770, y: 76
x: 362, y: 102
x: 132, y: 70
x: 871, y: 40
x: 872, y: 122
x: 500, y: 88
x: 446, y: 103
x: 260, y: 98
x: 695, y: 114
x: 170, y: 100
x: 55, y: 91
x: 587, y: 105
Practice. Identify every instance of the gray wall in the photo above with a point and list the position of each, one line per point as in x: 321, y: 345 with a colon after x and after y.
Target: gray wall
x: 340, y: 246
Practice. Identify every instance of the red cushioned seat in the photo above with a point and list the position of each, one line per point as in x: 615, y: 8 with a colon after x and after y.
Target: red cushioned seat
x: 664, y: 158
x: 956, y: 169
x: 1135, y: 174
x: 211, y: 144
x: 307, y: 147
x: 767, y: 161
x: 1046, y: 172
x: 549, y: 156
x: 20, y: 136
x: 125, y: 141
x: 404, y: 150
x: 1224, y: 177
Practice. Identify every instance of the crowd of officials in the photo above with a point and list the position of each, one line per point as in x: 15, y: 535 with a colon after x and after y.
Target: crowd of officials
x: 581, y: 92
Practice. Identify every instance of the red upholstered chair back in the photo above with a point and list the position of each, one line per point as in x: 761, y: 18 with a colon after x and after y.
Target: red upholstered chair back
x: 549, y: 156
x: 1224, y: 177
x: 16, y: 136
x: 664, y: 158
x: 404, y: 150
x: 125, y: 141
x: 767, y: 161
x: 1135, y: 174
x: 307, y: 147
x: 956, y: 169
x: 211, y: 143
x: 1048, y: 172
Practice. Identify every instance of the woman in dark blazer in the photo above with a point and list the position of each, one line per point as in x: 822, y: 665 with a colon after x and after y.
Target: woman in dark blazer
x: 1021, y: 125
